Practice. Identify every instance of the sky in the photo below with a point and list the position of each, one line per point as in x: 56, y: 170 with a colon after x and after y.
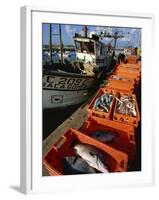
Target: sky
x: 132, y: 35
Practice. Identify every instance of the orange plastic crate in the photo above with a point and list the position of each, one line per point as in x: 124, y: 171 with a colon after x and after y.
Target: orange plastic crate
x: 121, y: 79
x: 117, y: 160
x: 132, y: 59
x: 125, y: 140
x: 129, y: 76
x: 128, y: 70
x: 120, y: 86
x: 136, y: 66
x: 98, y: 113
x: 133, y: 120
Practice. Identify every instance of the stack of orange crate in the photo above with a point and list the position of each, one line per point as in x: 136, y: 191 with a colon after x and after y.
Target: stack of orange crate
x: 126, y: 77
x: 124, y: 125
x: 123, y: 82
x: 122, y: 149
x: 112, y: 114
x: 133, y: 59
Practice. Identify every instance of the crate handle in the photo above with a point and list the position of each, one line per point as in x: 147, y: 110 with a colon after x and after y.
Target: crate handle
x: 132, y: 138
x: 60, y: 142
x: 122, y: 164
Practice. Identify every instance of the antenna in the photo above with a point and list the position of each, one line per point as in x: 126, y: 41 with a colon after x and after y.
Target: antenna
x: 114, y: 36
x: 85, y: 29
x: 50, y: 29
x: 61, y: 45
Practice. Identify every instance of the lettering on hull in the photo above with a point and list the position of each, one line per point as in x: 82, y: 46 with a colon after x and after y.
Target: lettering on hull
x: 67, y: 83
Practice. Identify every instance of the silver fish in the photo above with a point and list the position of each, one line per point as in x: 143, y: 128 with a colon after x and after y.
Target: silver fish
x: 92, y: 156
x: 96, y: 103
x: 103, y: 102
x: 126, y: 105
x: 104, y: 136
x: 76, y: 165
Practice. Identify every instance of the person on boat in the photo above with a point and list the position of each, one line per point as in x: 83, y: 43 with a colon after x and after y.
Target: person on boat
x: 139, y: 53
x: 121, y: 59
x: 135, y: 50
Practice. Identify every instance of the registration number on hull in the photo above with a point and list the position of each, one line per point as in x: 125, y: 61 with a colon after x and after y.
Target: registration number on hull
x: 67, y: 83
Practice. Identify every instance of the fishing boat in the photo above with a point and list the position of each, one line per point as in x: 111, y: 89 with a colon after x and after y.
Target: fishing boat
x: 67, y: 83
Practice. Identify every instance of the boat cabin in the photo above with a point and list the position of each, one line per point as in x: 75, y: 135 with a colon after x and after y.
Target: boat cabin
x: 92, y: 50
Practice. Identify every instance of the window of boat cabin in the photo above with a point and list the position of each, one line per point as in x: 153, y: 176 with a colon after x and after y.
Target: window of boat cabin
x: 85, y: 47
x: 98, y: 49
x: 103, y: 50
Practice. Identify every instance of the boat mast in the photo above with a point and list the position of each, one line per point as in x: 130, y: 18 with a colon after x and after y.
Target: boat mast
x: 115, y: 39
x: 50, y: 28
x: 85, y: 29
x: 116, y: 36
x: 139, y: 39
x: 61, y: 45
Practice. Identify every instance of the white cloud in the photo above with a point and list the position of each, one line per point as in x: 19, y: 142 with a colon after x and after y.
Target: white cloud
x: 132, y: 31
x: 98, y: 29
x: 69, y: 29
x: 125, y: 38
x: 110, y: 30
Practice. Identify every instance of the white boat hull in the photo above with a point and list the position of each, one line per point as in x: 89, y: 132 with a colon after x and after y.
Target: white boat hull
x: 57, y: 99
x: 65, y: 90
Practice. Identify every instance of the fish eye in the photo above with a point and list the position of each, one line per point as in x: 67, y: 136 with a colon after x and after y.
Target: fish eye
x: 91, y: 154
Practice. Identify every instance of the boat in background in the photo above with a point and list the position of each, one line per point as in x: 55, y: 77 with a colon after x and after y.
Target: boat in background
x: 67, y: 82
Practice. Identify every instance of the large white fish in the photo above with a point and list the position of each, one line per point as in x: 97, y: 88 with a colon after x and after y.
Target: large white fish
x: 92, y: 156
x: 104, y: 136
